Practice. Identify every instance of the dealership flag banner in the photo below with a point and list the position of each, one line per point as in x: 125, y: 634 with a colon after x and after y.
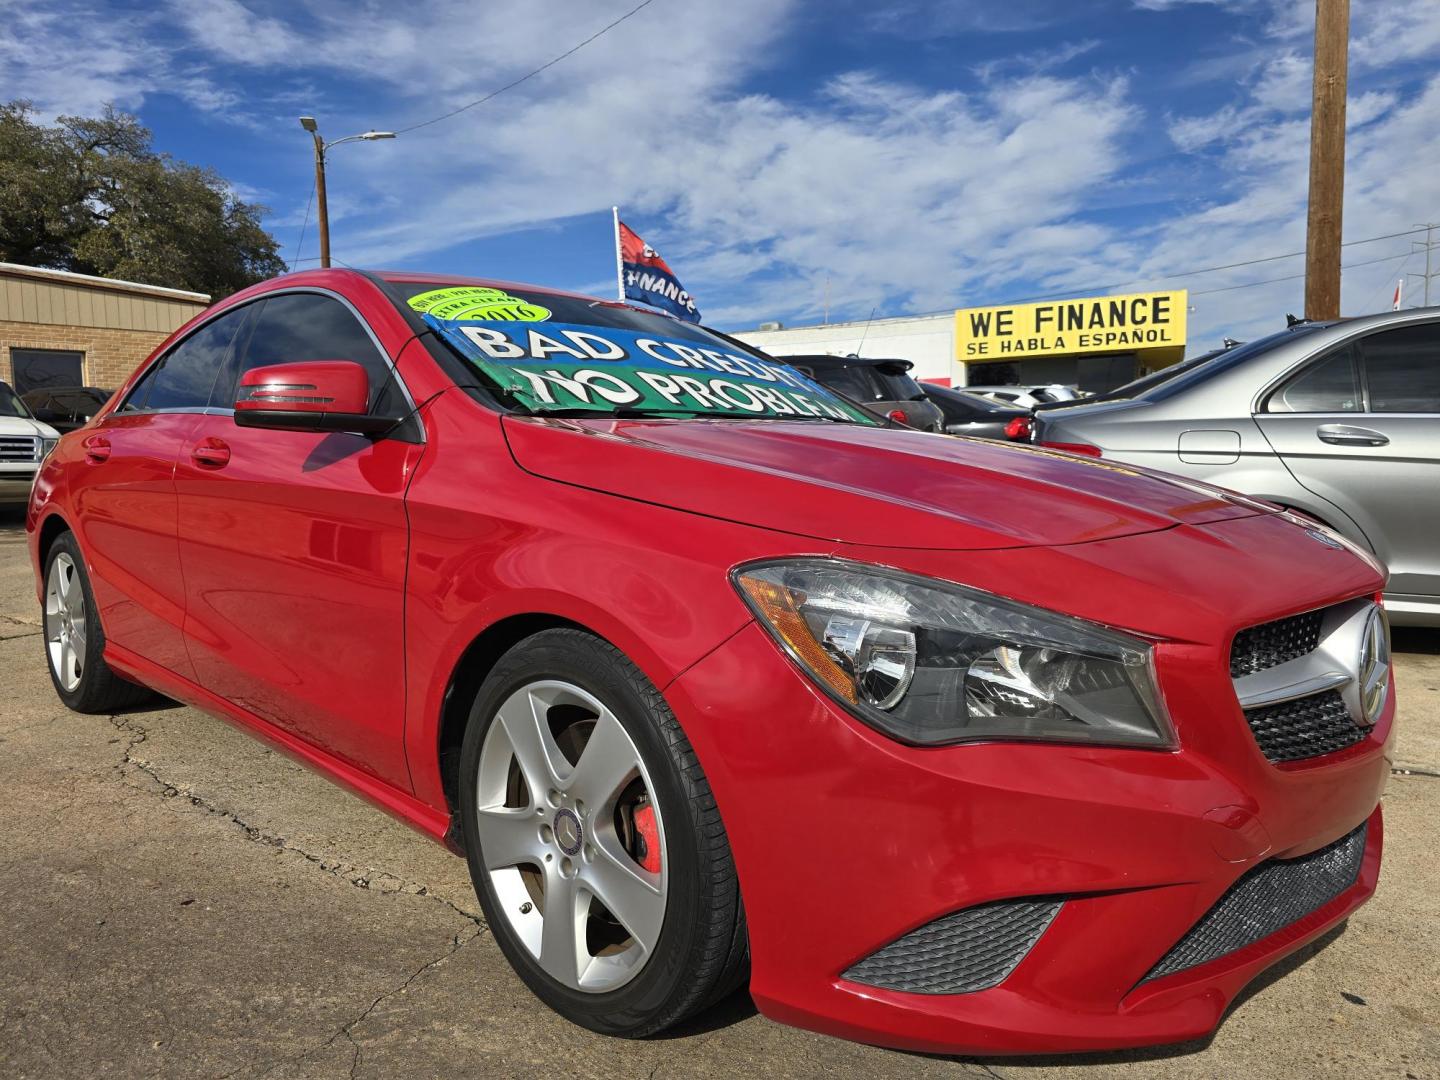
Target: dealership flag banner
x: 643, y: 275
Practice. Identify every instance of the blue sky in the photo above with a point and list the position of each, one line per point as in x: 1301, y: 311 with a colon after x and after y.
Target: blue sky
x: 916, y: 155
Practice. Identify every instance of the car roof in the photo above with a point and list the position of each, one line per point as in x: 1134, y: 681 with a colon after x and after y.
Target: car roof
x: 830, y: 360
x: 419, y: 277
x: 963, y: 393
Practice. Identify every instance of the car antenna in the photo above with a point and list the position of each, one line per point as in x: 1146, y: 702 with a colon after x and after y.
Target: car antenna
x: 868, y: 321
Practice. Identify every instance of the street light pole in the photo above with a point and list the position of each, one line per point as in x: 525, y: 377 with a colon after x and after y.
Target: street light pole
x: 321, y: 207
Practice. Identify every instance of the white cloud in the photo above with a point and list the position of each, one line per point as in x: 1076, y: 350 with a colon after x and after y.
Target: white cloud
x: 74, y: 59
x: 899, y: 196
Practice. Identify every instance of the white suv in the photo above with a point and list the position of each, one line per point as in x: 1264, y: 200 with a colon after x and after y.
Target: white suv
x: 24, y: 442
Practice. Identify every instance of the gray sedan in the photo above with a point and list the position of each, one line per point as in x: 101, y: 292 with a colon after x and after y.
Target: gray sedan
x: 1340, y: 421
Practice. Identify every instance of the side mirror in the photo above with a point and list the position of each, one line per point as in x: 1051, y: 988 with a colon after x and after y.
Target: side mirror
x: 314, y: 395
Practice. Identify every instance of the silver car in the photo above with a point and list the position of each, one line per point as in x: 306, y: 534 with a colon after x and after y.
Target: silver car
x: 1340, y: 421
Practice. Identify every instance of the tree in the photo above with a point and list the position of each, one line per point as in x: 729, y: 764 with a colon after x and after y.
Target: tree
x: 90, y: 195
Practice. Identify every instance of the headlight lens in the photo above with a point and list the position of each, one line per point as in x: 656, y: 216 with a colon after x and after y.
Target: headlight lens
x: 46, y: 445
x: 929, y: 662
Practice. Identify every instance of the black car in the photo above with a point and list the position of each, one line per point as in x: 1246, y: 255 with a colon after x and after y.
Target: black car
x: 884, y: 387
x: 971, y: 414
x: 1136, y: 387
x: 66, y: 408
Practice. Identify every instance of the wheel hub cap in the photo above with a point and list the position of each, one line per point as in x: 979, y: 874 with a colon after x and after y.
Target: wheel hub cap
x: 568, y: 831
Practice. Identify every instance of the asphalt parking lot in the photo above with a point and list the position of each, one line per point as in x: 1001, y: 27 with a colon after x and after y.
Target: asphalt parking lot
x: 178, y: 900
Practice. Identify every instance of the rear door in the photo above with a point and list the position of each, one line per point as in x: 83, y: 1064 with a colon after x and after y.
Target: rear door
x: 1360, y: 427
x: 125, y: 496
x: 294, y: 548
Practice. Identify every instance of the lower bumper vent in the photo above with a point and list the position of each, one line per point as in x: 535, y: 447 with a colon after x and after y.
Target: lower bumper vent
x: 1268, y: 898
x: 970, y: 950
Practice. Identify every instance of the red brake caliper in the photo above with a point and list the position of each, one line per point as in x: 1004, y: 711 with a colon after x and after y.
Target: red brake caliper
x: 648, y: 855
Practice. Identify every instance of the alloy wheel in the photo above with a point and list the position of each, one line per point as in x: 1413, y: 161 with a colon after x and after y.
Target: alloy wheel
x: 65, y: 626
x: 571, y: 835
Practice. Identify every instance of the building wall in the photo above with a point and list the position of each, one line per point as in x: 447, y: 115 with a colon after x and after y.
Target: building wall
x: 927, y: 341
x: 115, y: 324
x: 110, y: 355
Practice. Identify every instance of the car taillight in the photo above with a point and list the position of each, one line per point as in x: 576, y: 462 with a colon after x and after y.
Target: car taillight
x: 897, y: 415
x: 1074, y: 448
x: 1019, y: 427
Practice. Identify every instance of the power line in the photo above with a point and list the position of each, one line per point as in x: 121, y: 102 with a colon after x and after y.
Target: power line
x: 1427, y: 245
x: 1226, y: 266
x: 303, y: 222
x: 1296, y: 277
x: 1399, y: 271
x: 529, y: 75
x: 1068, y: 293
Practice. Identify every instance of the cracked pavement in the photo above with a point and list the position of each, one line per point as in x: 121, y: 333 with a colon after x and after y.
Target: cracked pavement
x: 178, y: 900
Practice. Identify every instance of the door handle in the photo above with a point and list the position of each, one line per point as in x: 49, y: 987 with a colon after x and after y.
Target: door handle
x: 212, y: 453
x: 1345, y: 435
x: 97, y: 449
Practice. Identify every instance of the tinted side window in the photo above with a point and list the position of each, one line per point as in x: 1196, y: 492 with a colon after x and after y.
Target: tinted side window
x: 1402, y: 369
x: 952, y: 410
x: 307, y: 326
x: 185, y: 376
x: 898, y: 387
x: 853, y: 382
x: 135, y: 400
x: 1327, y: 385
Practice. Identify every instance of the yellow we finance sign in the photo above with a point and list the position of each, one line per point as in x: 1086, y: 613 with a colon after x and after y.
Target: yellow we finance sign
x: 1058, y: 327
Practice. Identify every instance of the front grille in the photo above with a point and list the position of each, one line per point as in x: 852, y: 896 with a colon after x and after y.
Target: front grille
x: 19, y: 447
x: 970, y: 950
x: 1304, y: 728
x: 1273, y: 643
x: 1266, y: 899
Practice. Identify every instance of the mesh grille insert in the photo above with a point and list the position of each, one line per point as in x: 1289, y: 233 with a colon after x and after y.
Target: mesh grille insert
x: 1304, y: 728
x: 1268, y: 898
x: 970, y: 950
x: 1273, y: 643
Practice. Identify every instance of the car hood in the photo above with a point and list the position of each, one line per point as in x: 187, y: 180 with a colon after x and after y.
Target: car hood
x: 880, y: 487
x: 23, y: 425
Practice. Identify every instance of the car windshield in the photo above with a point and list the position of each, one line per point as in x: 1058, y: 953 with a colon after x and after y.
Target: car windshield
x: 1208, y: 368
x: 549, y: 353
x: 10, y: 403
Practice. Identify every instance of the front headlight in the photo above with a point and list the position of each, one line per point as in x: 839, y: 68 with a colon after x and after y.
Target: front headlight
x: 46, y: 445
x: 929, y: 662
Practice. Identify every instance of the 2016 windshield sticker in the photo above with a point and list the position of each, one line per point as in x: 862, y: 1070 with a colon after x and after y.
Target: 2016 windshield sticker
x: 575, y: 366
x: 478, y: 302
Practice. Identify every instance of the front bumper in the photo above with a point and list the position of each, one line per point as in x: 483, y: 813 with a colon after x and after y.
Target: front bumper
x: 15, y: 487
x: 846, y: 841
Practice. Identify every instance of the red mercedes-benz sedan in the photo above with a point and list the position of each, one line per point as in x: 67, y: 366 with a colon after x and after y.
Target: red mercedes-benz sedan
x: 942, y: 743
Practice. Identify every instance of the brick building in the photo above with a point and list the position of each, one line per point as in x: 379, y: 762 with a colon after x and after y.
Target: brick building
x: 58, y: 328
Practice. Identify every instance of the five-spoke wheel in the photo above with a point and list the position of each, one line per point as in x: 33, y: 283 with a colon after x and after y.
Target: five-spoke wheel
x: 74, y: 640
x: 571, y: 836
x: 65, y: 624
x: 594, y: 841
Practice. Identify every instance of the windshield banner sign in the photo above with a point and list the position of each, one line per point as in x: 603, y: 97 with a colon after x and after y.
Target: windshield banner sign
x: 553, y: 366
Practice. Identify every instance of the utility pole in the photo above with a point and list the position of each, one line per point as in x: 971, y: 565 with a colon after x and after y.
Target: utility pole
x: 1429, y: 244
x: 322, y: 212
x: 1327, y: 160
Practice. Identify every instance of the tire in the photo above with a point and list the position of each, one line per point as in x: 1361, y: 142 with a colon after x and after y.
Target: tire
x: 73, y: 640
x: 628, y: 978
